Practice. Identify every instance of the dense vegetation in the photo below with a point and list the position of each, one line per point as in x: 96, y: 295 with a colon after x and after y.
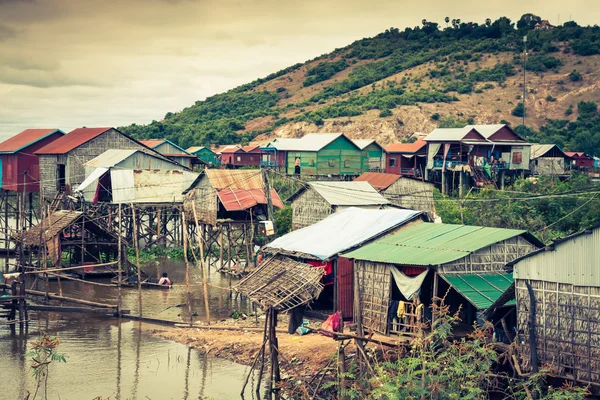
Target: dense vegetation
x: 223, y: 118
x: 546, y: 207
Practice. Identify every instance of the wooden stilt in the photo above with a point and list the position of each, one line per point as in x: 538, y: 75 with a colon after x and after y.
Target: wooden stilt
x: 137, y: 256
x: 119, y: 274
x: 203, y: 263
x: 187, y: 267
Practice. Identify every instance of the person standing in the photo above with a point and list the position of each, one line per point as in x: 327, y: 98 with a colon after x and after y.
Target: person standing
x: 297, y: 167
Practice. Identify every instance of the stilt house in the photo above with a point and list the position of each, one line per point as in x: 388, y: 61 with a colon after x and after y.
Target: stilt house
x: 172, y: 151
x: 407, y: 159
x: 321, y: 243
x: 404, y: 192
x: 203, y: 153
x: 425, y: 260
x: 580, y: 160
x: 558, y: 298
x: 62, y: 162
x: 372, y: 155
x: 548, y: 159
x: 317, y: 200
x: 19, y: 167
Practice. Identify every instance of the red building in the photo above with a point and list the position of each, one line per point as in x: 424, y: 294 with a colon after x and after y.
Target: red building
x: 250, y: 156
x: 235, y: 156
x: 20, y: 168
x: 580, y: 160
x: 406, y: 158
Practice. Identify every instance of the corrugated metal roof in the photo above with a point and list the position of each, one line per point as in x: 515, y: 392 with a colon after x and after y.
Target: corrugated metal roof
x: 362, y: 143
x: 152, y: 143
x: 573, y: 260
x: 447, y: 134
x: 310, y: 142
x: 481, y: 290
x: 231, y: 148
x: 348, y: 193
x: 25, y: 139
x: 110, y: 158
x: 342, y: 231
x: 486, y: 130
x: 430, y: 244
x: 71, y: 140
x: 379, y: 180
x: 195, y: 149
x: 235, y: 179
x: 249, y: 149
x: 538, y: 150
x: 406, y: 147
x: 241, y: 199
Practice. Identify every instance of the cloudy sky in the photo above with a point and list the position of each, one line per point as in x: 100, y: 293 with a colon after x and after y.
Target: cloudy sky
x: 70, y: 63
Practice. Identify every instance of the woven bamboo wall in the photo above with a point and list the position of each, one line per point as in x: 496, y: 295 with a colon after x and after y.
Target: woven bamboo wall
x: 492, y: 258
x: 374, y: 288
x: 309, y: 208
x: 567, y: 325
x: 411, y: 194
x: 205, y: 199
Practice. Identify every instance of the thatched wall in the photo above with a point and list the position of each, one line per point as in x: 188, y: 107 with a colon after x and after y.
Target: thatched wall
x: 412, y: 194
x: 548, y: 166
x: 204, y: 198
x: 492, y: 258
x: 374, y: 289
x: 567, y: 328
x: 309, y: 208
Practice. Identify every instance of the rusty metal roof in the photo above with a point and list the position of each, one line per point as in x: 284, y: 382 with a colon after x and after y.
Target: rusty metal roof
x: 72, y: 140
x: 406, y: 147
x: 379, y: 180
x: 250, y: 149
x: 25, y: 139
x: 152, y: 143
x: 241, y: 199
x: 235, y: 179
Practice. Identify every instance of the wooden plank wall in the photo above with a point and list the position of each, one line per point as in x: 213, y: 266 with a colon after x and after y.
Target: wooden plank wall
x: 374, y: 288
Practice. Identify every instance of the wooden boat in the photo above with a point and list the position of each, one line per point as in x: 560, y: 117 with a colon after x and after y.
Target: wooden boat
x: 146, y: 284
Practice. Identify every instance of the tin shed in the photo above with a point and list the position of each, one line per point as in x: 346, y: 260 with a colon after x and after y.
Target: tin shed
x: 172, y: 151
x: 317, y: 200
x: 558, y: 298
x: 420, y: 262
x: 20, y: 168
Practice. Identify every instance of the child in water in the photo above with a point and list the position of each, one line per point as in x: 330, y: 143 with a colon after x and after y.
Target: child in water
x: 164, y: 280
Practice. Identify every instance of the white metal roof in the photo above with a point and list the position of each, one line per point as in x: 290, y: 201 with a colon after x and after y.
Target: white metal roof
x: 150, y: 186
x: 310, y: 142
x: 362, y: 143
x: 89, y: 185
x: 485, y: 130
x: 342, y: 231
x: 446, y: 134
x: 110, y: 158
x: 538, y: 150
x: 349, y: 193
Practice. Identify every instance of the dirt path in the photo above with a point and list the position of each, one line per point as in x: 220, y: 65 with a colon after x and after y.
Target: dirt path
x: 308, y: 353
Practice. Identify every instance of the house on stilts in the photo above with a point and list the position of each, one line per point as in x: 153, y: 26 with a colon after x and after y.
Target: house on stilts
x: 320, y: 245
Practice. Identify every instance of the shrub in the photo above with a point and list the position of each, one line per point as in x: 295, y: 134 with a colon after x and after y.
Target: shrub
x: 519, y: 110
x: 435, y: 116
x: 386, y: 112
x: 575, y: 76
x: 550, y: 98
x: 569, y: 111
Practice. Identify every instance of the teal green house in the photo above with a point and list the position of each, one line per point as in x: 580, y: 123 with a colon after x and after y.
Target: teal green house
x: 203, y: 153
x: 319, y: 154
x: 372, y: 155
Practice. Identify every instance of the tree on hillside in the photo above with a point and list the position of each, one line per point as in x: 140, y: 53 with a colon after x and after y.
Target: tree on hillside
x: 447, y: 19
x: 488, y: 22
x: 528, y: 21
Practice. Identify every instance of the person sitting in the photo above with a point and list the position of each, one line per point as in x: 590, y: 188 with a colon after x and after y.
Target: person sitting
x: 164, y: 280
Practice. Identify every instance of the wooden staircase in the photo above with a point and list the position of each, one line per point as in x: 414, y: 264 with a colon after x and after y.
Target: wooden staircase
x: 481, y: 179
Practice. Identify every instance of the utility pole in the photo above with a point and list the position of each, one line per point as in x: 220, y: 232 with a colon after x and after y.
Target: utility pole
x: 270, y: 215
x: 524, y: 76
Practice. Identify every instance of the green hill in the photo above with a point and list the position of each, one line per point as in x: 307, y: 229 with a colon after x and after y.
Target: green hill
x: 401, y: 82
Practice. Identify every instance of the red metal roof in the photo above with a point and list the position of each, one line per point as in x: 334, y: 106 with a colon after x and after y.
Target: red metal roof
x: 229, y: 150
x: 25, y: 139
x: 378, y: 180
x: 406, y: 147
x: 152, y: 143
x: 577, y: 154
x: 249, y: 149
x: 72, y: 140
x: 240, y: 199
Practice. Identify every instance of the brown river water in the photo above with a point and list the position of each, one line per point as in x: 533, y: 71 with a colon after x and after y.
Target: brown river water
x: 123, y: 360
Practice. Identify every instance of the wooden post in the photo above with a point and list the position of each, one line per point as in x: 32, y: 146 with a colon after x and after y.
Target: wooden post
x: 137, y: 256
x: 342, y: 359
x: 187, y: 267
x: 120, y: 272
x: 274, y: 352
x: 443, y: 183
x: 434, y: 294
x: 270, y: 215
x: 220, y: 247
x: 5, y: 196
x: 83, y: 247
x: 203, y: 264
x: 461, y: 187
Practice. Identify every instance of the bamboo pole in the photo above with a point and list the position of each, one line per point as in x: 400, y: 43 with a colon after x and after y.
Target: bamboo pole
x: 187, y: 266
x: 120, y: 275
x: 203, y: 264
x: 71, y: 268
x: 137, y: 257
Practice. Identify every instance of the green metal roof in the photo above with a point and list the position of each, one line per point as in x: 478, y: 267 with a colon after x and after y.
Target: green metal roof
x: 481, y: 290
x: 431, y: 244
